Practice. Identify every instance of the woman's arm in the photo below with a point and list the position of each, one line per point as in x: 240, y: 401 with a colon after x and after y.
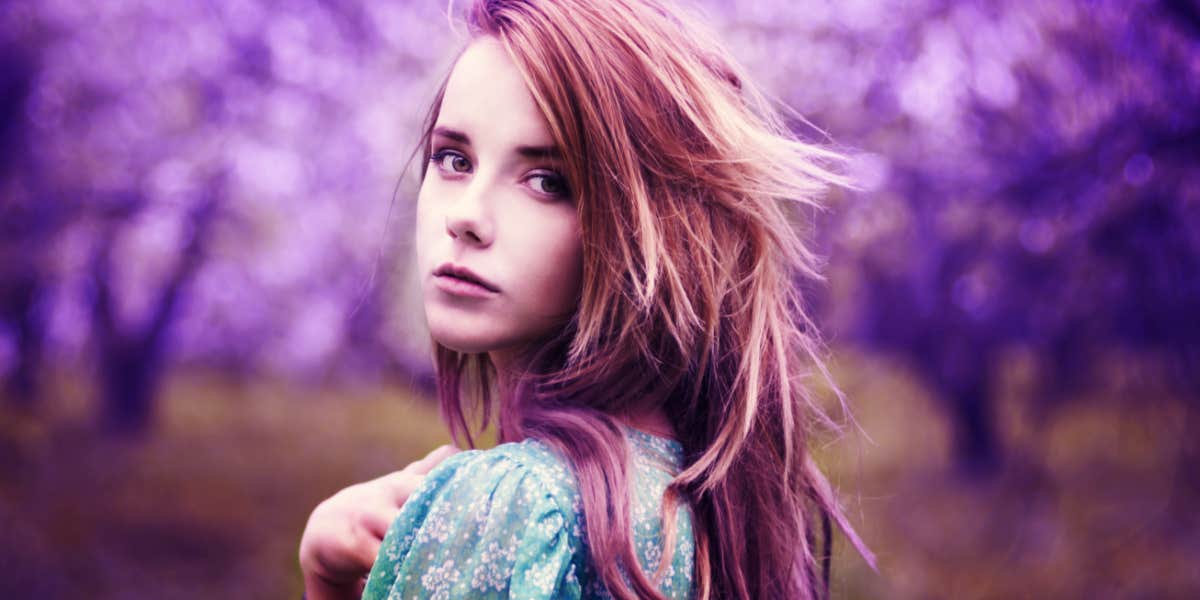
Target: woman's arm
x: 344, y: 532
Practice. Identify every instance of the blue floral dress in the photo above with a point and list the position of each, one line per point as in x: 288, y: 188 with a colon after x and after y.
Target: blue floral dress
x: 507, y: 523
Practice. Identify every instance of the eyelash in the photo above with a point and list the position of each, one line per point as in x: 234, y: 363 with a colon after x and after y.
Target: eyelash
x: 437, y: 158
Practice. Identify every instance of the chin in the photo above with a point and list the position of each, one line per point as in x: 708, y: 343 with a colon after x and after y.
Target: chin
x: 477, y: 333
x: 458, y: 340
x: 461, y: 335
x: 463, y: 344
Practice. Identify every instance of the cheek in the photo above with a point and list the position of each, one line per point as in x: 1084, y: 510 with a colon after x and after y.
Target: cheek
x: 560, y: 258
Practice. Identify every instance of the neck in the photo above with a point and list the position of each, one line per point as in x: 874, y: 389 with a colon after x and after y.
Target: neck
x: 506, y: 364
x: 653, y: 421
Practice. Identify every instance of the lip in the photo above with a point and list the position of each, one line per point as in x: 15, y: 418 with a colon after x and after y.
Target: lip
x: 461, y: 281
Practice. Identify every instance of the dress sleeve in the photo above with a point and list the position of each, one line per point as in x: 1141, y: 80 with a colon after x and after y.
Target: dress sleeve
x: 483, y: 526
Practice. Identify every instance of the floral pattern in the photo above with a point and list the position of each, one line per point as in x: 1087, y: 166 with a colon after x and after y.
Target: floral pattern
x: 508, y: 523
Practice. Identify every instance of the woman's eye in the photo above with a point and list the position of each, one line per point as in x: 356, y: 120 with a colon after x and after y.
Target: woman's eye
x: 451, y: 161
x: 552, y: 185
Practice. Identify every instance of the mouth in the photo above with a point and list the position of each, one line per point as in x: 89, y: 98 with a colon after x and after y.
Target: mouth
x: 456, y: 273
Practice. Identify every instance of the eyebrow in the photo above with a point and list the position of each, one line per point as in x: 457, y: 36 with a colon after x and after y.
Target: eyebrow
x: 532, y: 152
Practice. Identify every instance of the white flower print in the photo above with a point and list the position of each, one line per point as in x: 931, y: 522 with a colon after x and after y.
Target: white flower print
x: 543, y: 576
x: 464, y: 531
x: 495, y: 566
x: 437, y: 528
x: 439, y: 580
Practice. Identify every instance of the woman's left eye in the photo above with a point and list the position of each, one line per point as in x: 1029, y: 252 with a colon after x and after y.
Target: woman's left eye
x: 549, y: 184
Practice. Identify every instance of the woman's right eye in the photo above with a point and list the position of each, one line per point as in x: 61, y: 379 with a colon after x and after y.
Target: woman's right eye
x: 450, y: 161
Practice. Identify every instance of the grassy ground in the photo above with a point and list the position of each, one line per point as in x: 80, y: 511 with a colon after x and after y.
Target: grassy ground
x: 211, y: 505
x: 1090, y: 502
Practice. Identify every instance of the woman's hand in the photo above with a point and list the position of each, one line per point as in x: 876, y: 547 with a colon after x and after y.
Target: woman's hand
x: 344, y: 532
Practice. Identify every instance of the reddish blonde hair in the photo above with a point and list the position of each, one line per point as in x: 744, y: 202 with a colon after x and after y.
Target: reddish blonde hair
x: 687, y: 185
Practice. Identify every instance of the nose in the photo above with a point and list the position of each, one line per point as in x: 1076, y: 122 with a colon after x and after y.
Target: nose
x: 468, y: 218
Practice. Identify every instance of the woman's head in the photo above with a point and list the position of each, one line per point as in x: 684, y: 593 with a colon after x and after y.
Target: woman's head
x: 670, y: 265
x: 495, y: 208
x: 674, y: 167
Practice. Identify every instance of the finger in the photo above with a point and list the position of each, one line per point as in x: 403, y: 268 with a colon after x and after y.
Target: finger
x: 378, y: 521
x: 344, y: 561
x: 367, y: 551
x: 349, y: 563
x: 399, y: 485
x: 432, y: 459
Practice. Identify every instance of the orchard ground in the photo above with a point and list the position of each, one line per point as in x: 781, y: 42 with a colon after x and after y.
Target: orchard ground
x: 1089, y: 501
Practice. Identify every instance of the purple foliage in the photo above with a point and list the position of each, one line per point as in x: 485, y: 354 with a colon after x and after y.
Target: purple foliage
x: 1028, y: 175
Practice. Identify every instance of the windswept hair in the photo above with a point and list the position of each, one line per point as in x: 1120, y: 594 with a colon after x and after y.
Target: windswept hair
x: 688, y: 185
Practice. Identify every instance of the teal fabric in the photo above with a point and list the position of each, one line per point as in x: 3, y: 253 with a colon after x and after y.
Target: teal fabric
x: 507, y: 523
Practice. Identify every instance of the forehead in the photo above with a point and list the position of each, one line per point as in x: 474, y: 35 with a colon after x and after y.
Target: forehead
x: 486, y: 97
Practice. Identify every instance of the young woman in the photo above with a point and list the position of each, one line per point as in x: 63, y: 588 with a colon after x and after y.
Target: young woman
x: 605, y: 236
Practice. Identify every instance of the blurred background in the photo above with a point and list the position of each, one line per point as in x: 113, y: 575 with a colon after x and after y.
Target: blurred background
x: 207, y: 323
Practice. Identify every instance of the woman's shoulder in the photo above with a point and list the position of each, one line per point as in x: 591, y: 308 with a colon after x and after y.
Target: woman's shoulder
x: 510, y: 518
x: 497, y: 522
x: 528, y: 469
x: 545, y: 473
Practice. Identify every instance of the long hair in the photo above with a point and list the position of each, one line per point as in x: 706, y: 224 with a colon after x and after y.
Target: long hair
x: 689, y: 188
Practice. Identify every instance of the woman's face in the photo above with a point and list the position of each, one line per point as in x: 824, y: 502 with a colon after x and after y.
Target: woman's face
x: 498, y: 245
